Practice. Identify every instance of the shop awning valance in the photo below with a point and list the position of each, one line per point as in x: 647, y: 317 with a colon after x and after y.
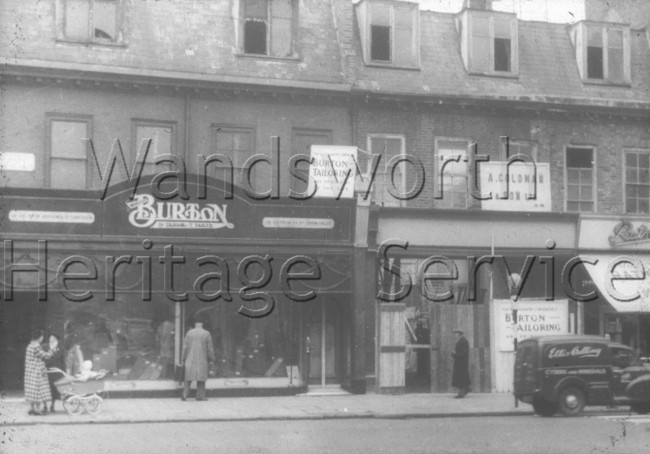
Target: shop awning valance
x: 622, y: 280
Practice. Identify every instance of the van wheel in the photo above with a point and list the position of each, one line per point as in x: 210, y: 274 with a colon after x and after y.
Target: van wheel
x: 543, y: 407
x: 571, y: 401
x: 641, y: 408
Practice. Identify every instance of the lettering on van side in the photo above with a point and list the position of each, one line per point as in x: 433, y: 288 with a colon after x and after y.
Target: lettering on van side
x: 577, y: 352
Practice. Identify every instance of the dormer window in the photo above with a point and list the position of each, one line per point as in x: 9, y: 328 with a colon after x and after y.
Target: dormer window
x: 267, y: 27
x: 90, y: 21
x: 602, y: 52
x: 489, y: 42
x: 389, y: 32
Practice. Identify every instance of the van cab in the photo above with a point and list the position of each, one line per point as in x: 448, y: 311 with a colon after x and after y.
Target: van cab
x: 566, y: 373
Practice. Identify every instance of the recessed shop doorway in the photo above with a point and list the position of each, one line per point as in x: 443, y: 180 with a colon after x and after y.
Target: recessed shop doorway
x: 18, y: 318
x: 325, y: 340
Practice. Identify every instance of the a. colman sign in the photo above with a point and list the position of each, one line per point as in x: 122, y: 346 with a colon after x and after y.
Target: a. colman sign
x: 519, y: 187
x: 146, y: 212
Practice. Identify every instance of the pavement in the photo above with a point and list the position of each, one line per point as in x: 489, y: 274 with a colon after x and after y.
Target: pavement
x: 14, y: 410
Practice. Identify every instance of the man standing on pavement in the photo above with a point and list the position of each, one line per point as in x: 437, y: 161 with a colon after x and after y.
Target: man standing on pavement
x: 460, y: 376
x: 197, y: 352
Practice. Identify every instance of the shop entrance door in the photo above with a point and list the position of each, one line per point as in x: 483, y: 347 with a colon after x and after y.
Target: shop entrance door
x: 323, y: 344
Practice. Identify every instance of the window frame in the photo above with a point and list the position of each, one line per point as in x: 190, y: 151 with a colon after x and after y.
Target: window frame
x: 366, y: 27
x: 580, y: 34
x: 627, y: 150
x: 141, y: 122
x: 518, y: 142
x: 594, y: 183
x: 71, y: 118
x: 120, y: 25
x: 381, y: 169
x: 296, y: 132
x: 231, y: 128
x: 468, y: 36
x: 241, y: 28
x: 437, y: 203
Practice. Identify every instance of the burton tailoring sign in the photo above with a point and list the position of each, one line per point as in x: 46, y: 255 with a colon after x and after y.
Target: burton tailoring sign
x: 534, y: 318
x: 332, y: 172
x: 518, y: 187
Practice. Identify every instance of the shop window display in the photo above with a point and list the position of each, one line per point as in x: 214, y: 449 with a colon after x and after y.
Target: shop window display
x: 249, y: 347
x: 132, y: 340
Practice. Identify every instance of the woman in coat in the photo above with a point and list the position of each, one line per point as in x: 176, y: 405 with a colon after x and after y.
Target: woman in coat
x: 55, y: 361
x: 197, y: 352
x: 37, y: 388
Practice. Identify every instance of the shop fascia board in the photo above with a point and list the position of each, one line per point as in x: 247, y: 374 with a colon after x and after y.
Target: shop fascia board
x: 66, y: 242
x: 484, y: 215
x: 422, y: 227
x: 529, y: 102
x: 162, y: 78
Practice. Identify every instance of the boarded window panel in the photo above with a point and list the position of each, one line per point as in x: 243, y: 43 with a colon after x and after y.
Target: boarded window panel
x: 105, y: 19
x: 302, y: 142
x: 68, y: 139
x: 404, y: 29
x: 238, y: 146
x: 67, y: 173
x: 161, y: 139
x: 380, y: 43
x: 281, y: 21
x: 481, y: 44
x: 502, y: 54
x: 161, y: 144
x: 387, y: 147
x: 77, y: 19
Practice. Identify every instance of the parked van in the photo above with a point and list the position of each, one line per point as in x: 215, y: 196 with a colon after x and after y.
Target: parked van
x: 568, y: 372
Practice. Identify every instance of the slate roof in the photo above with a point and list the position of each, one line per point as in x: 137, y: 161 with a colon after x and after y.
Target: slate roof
x: 548, y: 71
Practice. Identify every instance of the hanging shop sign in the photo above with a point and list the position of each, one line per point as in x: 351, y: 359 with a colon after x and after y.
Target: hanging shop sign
x: 626, y: 234
x: 517, y: 187
x: 534, y: 318
x: 332, y: 172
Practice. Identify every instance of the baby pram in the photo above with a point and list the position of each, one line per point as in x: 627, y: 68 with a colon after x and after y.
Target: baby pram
x: 79, y: 395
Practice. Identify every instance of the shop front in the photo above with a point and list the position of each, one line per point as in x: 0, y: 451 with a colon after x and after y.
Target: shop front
x: 121, y: 280
x: 616, y: 258
x: 459, y: 268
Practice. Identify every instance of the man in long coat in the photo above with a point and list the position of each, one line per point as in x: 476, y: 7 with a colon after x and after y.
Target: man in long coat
x: 197, y: 352
x: 460, y: 375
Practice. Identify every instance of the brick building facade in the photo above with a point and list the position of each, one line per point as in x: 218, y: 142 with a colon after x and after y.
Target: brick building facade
x: 224, y: 77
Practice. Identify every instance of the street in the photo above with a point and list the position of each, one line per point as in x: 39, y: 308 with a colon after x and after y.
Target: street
x: 522, y: 434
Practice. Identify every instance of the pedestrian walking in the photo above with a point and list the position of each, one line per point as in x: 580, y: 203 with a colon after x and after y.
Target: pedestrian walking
x: 37, y: 388
x: 198, y: 351
x: 460, y: 374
